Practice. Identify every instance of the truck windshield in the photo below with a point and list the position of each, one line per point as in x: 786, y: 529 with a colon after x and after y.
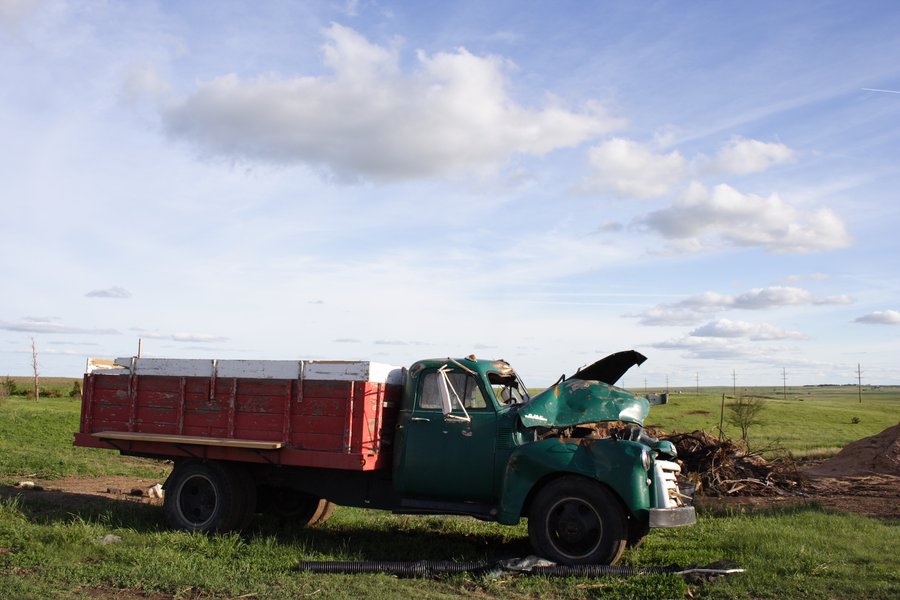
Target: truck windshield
x: 508, y: 389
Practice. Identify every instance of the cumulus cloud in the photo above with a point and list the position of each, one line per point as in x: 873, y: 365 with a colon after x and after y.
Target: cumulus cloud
x: 632, y: 170
x: 50, y: 325
x: 726, y: 328
x: 713, y: 348
x: 702, y: 218
x: 698, y: 307
x: 770, y: 297
x: 113, y: 292
x: 371, y: 119
x: 880, y: 317
x: 742, y: 156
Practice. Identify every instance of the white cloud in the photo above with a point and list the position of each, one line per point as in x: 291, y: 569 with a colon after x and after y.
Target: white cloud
x: 703, y: 218
x: 49, y: 325
x: 371, y: 119
x: 770, y: 297
x: 698, y: 307
x: 630, y: 169
x: 112, y: 292
x: 713, y: 348
x: 881, y: 317
x: 726, y: 328
x: 742, y: 156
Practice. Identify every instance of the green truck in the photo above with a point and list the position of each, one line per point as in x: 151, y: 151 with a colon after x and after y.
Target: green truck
x: 445, y: 436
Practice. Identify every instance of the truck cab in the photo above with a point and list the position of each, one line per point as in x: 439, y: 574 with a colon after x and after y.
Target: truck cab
x: 573, y: 459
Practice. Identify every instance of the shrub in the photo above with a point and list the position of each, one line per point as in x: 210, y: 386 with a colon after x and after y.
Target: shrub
x: 745, y: 412
x: 9, y: 386
x: 855, y: 420
x: 75, y: 392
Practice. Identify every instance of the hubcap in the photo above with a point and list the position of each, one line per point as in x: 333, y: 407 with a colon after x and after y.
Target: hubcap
x: 197, y: 500
x: 574, y: 527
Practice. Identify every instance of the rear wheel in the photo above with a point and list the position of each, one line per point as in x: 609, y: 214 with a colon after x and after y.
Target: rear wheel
x: 207, y: 496
x: 300, y: 508
x: 577, y: 521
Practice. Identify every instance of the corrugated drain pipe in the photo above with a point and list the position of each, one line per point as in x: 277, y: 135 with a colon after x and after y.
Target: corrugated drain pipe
x: 428, y: 568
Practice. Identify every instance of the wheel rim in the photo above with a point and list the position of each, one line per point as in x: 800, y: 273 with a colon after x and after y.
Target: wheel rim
x: 197, y: 500
x: 574, y: 527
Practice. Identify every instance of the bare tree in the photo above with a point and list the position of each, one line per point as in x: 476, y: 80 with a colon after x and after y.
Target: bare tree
x: 34, y: 367
x: 743, y: 413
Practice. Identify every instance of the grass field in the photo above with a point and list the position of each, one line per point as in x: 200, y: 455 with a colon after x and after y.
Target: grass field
x: 804, y: 421
x: 51, y: 549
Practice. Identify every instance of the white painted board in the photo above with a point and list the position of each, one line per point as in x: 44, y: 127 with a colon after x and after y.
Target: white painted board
x: 316, y: 370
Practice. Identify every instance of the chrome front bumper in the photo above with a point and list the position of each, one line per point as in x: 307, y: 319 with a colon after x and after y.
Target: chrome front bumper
x: 672, y: 517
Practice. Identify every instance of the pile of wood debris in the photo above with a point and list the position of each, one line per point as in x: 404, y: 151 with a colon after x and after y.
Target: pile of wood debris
x: 720, y: 467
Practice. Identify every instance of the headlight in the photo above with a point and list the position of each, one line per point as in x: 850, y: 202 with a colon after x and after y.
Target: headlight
x: 645, y: 459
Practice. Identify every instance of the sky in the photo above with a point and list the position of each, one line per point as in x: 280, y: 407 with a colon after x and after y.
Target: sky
x: 713, y: 184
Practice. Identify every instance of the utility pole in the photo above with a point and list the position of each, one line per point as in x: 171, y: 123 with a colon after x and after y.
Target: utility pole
x: 784, y: 381
x: 733, y: 383
x: 698, y: 385
x: 859, y: 382
x: 645, y: 386
x: 667, y: 384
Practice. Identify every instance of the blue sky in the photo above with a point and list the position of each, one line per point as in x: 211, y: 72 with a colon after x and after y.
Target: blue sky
x: 713, y: 184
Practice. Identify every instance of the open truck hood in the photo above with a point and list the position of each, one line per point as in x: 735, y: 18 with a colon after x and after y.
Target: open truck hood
x: 589, y: 396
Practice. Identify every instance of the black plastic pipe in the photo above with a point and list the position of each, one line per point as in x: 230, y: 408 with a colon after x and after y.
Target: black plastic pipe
x: 429, y: 568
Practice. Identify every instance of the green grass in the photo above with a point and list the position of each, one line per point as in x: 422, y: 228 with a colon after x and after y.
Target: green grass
x: 36, y: 443
x: 800, y: 553
x: 52, y: 549
x: 810, y: 419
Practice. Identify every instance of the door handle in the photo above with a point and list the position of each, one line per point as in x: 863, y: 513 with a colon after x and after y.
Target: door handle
x: 420, y: 420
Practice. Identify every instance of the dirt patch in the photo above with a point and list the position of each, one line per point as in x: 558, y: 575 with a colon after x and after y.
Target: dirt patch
x: 878, y: 454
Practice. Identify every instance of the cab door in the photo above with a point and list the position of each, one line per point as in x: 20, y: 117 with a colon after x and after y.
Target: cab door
x: 449, y: 458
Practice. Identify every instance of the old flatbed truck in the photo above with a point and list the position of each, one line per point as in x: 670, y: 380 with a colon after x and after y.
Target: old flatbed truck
x: 446, y: 436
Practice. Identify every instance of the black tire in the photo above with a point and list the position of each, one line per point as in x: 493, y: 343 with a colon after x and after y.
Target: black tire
x: 576, y: 521
x: 206, y: 497
x: 247, y: 488
x: 298, y: 508
x: 636, y: 533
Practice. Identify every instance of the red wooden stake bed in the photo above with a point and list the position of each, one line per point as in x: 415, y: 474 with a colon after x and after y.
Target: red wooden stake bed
x: 332, y: 414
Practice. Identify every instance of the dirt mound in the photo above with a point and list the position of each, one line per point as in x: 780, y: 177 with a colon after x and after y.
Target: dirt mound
x: 722, y: 468
x: 879, y: 454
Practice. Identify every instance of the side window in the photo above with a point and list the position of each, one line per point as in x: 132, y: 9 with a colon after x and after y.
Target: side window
x: 429, y: 397
x: 465, y: 386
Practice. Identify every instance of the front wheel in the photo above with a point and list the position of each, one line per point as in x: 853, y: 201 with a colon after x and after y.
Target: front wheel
x: 576, y: 521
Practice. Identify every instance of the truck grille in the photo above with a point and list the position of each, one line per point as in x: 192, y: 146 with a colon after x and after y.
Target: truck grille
x: 665, y: 474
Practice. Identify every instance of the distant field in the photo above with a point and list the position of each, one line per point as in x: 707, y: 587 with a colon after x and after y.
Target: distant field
x: 810, y: 419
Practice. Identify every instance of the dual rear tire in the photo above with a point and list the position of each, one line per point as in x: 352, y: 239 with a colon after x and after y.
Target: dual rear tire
x: 218, y: 497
